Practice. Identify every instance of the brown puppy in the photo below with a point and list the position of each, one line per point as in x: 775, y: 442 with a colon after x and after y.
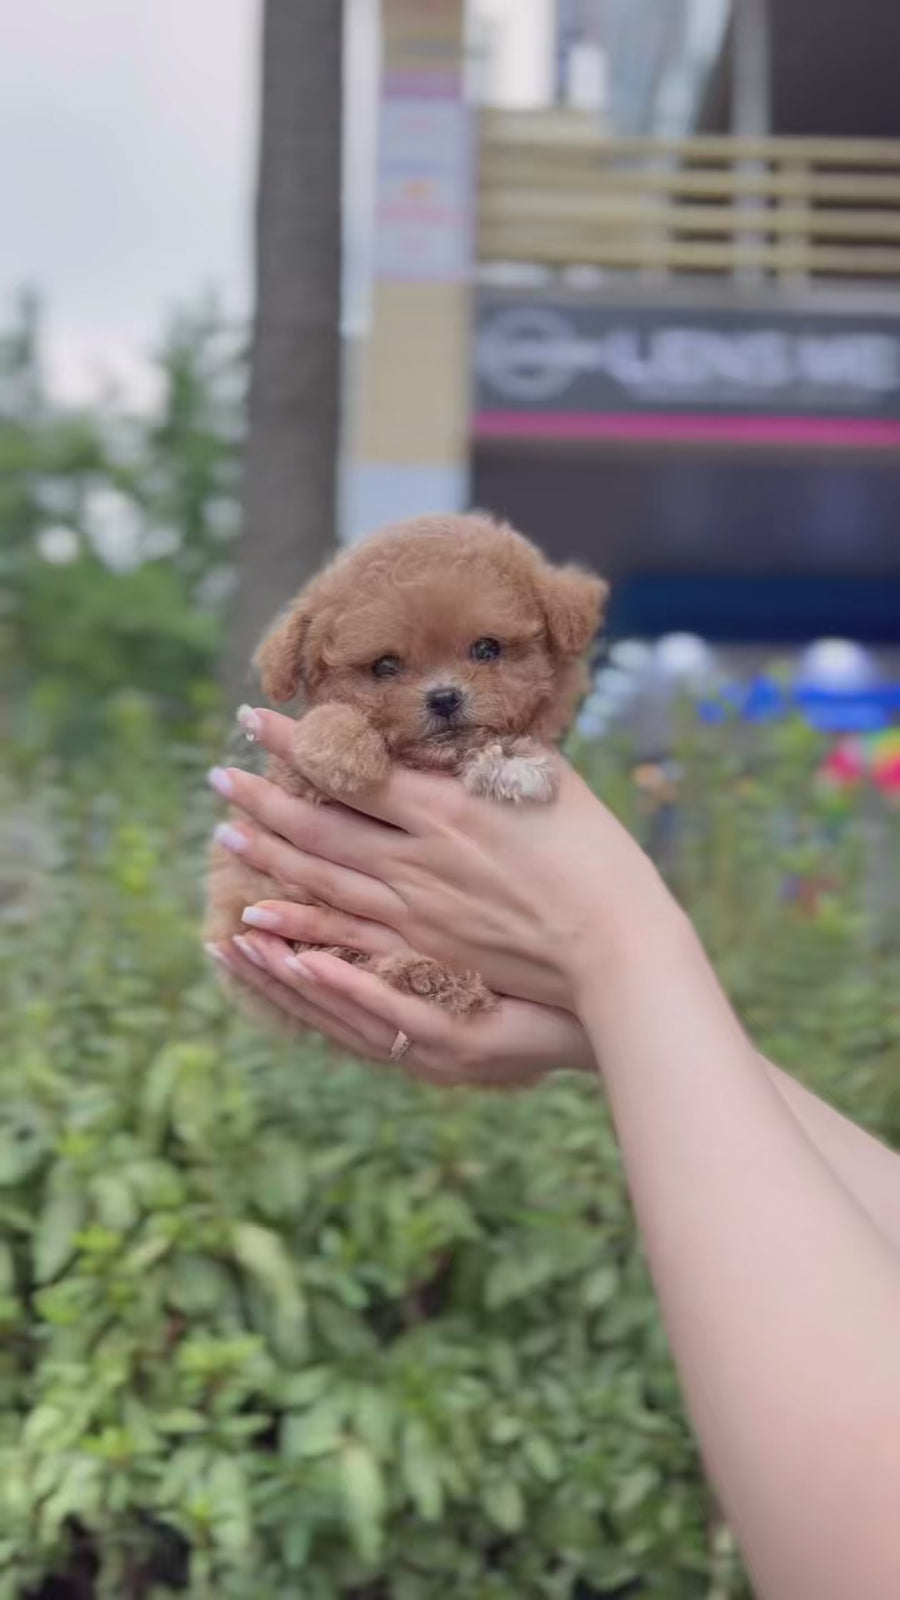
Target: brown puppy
x: 444, y: 643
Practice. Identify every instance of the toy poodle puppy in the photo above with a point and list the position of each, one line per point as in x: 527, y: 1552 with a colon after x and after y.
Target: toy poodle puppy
x: 444, y: 643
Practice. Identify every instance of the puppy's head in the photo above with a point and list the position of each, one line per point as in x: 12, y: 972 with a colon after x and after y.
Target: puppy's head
x: 446, y: 631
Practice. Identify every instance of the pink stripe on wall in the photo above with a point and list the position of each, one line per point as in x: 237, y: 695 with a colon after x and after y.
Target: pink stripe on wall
x: 442, y: 83
x: 864, y: 432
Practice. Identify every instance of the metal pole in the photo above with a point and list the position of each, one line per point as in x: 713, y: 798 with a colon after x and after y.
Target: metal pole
x: 568, y: 31
x: 751, y: 98
x: 751, y: 101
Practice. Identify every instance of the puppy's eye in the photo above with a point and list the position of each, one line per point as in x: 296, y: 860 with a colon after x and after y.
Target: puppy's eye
x: 386, y: 666
x: 485, y: 650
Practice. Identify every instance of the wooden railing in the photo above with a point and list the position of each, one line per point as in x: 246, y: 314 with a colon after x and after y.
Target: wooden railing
x: 555, y: 193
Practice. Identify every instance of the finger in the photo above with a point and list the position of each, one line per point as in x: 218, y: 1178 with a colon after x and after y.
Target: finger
x: 331, y: 831
x: 444, y: 1051
x: 405, y: 800
x: 379, y: 1015
x: 322, y: 925
x: 310, y: 875
x: 289, y: 1003
x: 271, y: 729
x: 336, y: 983
x: 280, y: 961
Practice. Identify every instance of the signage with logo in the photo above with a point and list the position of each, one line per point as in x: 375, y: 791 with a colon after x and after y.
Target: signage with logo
x: 588, y: 369
x: 423, y: 192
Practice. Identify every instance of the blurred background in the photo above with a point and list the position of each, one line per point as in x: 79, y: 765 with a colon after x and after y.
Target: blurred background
x: 273, y: 272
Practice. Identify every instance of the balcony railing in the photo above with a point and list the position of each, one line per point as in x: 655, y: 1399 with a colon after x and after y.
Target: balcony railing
x: 553, y: 192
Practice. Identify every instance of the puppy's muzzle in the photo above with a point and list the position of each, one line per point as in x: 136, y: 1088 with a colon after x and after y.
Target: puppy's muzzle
x: 445, y: 703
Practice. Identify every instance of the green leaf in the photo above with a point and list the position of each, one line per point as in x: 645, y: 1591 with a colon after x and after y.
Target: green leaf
x: 78, y: 1495
x: 146, y: 1254
x: 541, y: 1456
x: 182, y: 1421
x: 316, y: 1432
x: 230, y: 1506
x: 504, y: 1429
x: 160, y: 1084
x: 197, y: 1285
x: 113, y: 1201
x: 373, y: 1417
x: 58, y: 1227
x: 295, y: 1544
x: 421, y: 1466
x: 7, y: 1269
x: 261, y: 1254
x: 599, y: 1286
x: 504, y: 1505
x: 24, y: 1141
x: 42, y: 1425
x: 302, y: 1388
x: 634, y: 1488
x: 364, y: 1498
x: 282, y: 1185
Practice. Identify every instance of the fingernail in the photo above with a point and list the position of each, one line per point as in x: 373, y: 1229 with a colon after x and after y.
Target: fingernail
x: 250, y: 721
x: 299, y: 966
x: 218, y: 779
x: 247, y: 950
x: 259, y: 918
x: 215, y: 954
x: 230, y: 837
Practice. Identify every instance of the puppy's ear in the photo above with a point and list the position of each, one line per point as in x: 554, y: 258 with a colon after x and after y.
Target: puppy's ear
x: 279, y: 655
x: 574, y: 603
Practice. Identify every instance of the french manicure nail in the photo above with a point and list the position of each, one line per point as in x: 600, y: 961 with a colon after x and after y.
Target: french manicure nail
x: 218, y: 779
x: 230, y: 837
x: 247, y: 950
x: 298, y: 965
x: 250, y: 721
x: 258, y: 918
x: 215, y: 954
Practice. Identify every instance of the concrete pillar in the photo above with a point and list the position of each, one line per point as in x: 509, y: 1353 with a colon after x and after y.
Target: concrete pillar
x: 411, y: 446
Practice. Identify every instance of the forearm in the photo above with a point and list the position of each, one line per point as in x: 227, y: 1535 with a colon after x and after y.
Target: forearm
x: 781, y: 1298
x: 866, y: 1167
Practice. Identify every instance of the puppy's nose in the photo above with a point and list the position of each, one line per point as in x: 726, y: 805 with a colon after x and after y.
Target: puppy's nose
x: 444, y: 702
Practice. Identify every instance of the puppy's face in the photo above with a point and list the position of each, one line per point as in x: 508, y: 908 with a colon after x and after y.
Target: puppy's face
x: 439, y: 661
x: 446, y: 633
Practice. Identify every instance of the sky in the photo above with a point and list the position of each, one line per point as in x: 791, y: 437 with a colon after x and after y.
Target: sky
x: 126, y: 155
x: 127, y: 148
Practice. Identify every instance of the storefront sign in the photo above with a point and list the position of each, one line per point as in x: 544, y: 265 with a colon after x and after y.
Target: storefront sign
x: 590, y: 369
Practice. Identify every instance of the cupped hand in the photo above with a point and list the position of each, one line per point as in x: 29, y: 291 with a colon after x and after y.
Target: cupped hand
x: 514, y: 1046
x: 532, y: 897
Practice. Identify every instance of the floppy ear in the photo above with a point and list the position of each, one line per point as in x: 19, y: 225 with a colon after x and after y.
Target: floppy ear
x: 574, y: 603
x: 278, y: 657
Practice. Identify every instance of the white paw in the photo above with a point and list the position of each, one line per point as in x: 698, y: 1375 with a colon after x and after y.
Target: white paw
x: 517, y: 780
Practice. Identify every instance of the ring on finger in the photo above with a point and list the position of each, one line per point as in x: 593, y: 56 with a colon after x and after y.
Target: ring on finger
x: 400, y: 1046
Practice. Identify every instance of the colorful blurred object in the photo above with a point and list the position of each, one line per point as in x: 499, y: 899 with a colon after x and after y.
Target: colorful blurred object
x: 854, y: 761
x: 838, y: 665
x: 885, y: 769
x: 870, y: 710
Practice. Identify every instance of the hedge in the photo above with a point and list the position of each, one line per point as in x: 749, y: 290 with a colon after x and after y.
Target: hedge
x: 276, y: 1326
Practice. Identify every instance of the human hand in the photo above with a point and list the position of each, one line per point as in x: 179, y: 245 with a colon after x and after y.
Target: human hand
x: 533, y: 898
x: 513, y: 1046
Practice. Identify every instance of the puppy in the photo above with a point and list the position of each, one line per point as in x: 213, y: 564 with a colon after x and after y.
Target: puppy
x: 446, y: 643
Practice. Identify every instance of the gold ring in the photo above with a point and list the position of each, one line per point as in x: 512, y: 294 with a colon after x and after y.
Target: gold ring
x: 400, y: 1046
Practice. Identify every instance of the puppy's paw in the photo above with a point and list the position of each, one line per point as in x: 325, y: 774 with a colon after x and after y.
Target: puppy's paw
x: 521, y: 775
x: 463, y: 993
x: 338, y: 751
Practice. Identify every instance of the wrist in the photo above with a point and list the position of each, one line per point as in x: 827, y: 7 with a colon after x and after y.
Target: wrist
x: 623, y: 934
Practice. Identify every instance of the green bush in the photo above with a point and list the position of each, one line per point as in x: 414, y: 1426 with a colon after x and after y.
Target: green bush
x: 278, y: 1326
x: 115, y: 533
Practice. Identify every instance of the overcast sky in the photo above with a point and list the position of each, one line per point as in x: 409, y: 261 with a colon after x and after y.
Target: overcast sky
x: 125, y: 166
x: 127, y: 133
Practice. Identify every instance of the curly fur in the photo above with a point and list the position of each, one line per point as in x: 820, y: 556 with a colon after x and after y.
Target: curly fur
x: 422, y: 592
